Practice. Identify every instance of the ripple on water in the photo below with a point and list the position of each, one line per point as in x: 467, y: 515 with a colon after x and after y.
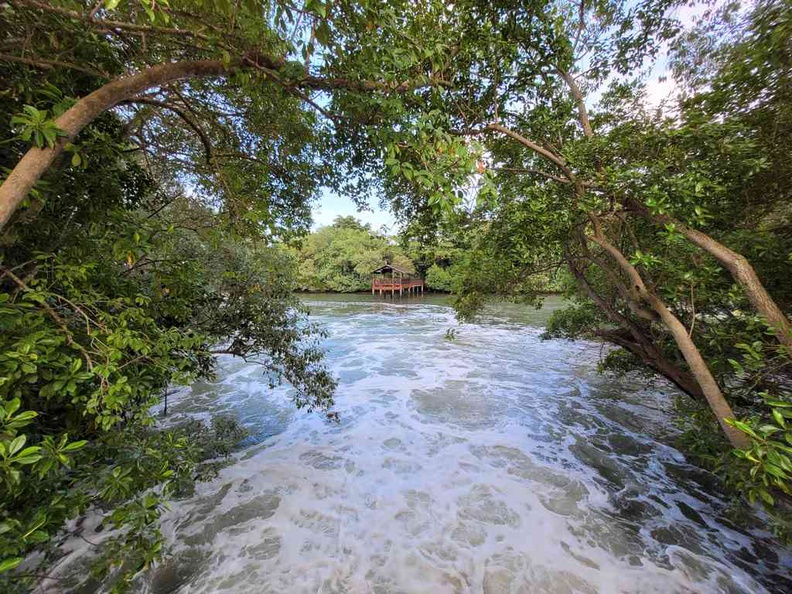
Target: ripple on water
x: 496, y: 463
x: 509, y: 572
x: 234, y: 519
x: 322, y: 461
x: 456, y: 402
x: 482, y: 503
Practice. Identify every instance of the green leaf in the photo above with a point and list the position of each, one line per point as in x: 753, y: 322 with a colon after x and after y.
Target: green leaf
x: 775, y: 471
x: 29, y: 451
x: 767, y: 497
x: 27, y: 460
x: 75, y: 445
x: 323, y: 33
x: 16, y: 444
x: 779, y: 403
x: 11, y: 563
x: 12, y: 406
x: 24, y: 417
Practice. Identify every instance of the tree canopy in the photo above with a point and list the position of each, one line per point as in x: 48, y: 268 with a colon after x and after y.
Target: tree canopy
x: 342, y: 256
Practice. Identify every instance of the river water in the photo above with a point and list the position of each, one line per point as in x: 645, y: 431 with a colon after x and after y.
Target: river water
x: 494, y: 462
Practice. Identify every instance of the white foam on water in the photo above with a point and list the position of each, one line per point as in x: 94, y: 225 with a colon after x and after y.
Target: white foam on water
x: 492, y: 463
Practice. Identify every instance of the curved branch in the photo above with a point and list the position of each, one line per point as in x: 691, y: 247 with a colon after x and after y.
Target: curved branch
x: 630, y: 295
x: 59, y: 321
x: 45, y: 64
x: 109, y: 25
x: 581, y: 25
x: 37, y: 160
x: 577, y: 96
x: 539, y: 150
x: 640, y: 345
x: 738, y: 266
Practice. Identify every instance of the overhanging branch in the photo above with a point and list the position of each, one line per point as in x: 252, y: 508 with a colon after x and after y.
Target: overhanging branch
x: 179, y: 112
x: 46, y: 64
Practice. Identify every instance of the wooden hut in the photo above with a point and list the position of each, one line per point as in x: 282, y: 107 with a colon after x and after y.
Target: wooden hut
x: 388, y: 278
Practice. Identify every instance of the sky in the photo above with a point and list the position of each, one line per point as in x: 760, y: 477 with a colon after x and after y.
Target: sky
x: 330, y: 205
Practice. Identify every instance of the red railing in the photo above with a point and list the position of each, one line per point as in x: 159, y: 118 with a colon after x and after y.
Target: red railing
x: 396, y: 283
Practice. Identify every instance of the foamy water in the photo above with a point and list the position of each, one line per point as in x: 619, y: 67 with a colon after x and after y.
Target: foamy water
x: 495, y: 462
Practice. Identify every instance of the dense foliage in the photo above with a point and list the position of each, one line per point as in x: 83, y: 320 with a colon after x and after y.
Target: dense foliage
x: 101, y: 313
x: 127, y: 272
x: 342, y: 256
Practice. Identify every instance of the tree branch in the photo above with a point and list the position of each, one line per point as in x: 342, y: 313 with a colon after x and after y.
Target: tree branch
x: 107, y: 24
x: 533, y: 171
x: 179, y: 112
x: 577, y: 96
x: 738, y: 266
x: 55, y: 317
x: 45, y: 64
x: 581, y: 25
x: 36, y: 161
x: 539, y: 150
x: 698, y: 366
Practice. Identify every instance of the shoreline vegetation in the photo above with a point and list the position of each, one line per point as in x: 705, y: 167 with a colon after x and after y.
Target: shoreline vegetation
x: 341, y: 257
x: 159, y: 162
x: 433, y: 292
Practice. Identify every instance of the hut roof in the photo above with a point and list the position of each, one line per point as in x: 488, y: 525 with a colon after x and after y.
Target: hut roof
x: 389, y: 268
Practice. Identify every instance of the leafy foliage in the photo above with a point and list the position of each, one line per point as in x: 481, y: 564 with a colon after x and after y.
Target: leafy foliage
x: 341, y: 257
x: 90, y: 347
x: 127, y: 273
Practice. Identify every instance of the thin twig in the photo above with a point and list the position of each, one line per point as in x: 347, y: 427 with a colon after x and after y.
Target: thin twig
x: 179, y: 112
x: 54, y: 315
x: 46, y: 64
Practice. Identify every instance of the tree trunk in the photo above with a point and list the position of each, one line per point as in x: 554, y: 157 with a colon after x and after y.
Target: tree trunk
x: 745, y: 275
x: 698, y: 367
x: 654, y: 360
x: 641, y: 345
x: 37, y: 160
x: 701, y: 372
x: 740, y: 269
x: 577, y: 96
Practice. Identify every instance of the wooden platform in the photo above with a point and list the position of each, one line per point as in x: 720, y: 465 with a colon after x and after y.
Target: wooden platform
x: 403, y: 286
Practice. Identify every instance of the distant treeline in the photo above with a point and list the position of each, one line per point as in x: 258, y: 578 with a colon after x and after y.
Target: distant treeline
x: 340, y: 257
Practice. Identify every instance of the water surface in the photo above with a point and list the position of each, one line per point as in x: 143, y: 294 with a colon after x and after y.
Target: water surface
x: 492, y: 463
